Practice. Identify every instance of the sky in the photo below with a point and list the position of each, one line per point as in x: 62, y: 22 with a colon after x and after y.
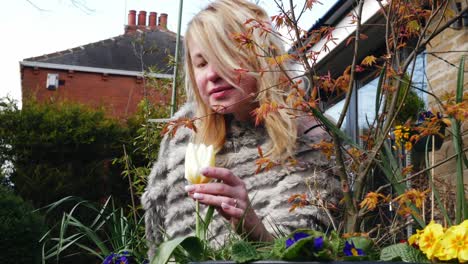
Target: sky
x: 36, y: 27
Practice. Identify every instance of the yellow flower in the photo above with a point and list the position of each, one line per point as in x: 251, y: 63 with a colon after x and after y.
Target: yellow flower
x: 429, y: 237
x: 415, y: 196
x: 465, y: 223
x: 408, y: 146
x: 371, y: 200
x: 198, y: 157
x: 414, y: 239
x: 454, y: 244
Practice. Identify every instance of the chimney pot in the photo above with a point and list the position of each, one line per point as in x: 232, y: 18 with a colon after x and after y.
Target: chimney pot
x: 132, y: 18
x: 142, y: 18
x: 163, y: 21
x: 152, y: 19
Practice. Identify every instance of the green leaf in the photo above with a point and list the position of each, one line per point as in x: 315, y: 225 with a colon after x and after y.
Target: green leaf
x: 461, y: 205
x: 460, y: 80
x: 191, y: 244
x: 278, y: 248
x: 336, y: 243
x: 334, y: 129
x: 403, y: 252
x: 368, y: 247
x: 242, y: 251
x: 389, y: 166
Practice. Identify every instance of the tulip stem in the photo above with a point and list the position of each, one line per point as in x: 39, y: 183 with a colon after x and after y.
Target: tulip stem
x: 198, y: 230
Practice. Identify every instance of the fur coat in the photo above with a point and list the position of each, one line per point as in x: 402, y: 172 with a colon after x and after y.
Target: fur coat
x: 170, y: 212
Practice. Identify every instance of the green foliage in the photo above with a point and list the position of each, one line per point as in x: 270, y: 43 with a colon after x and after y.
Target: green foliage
x: 461, y: 201
x: 59, y: 149
x: 278, y: 248
x: 242, y: 252
x: 412, y: 105
x: 142, y: 145
x: 403, y: 252
x: 110, y: 231
x: 367, y: 245
x: 192, y: 246
x: 20, y: 230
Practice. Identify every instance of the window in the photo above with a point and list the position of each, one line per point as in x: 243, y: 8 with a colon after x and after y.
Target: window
x: 362, y: 107
x: 52, y: 81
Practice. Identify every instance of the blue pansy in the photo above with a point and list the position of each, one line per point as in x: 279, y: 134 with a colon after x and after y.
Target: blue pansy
x: 318, y: 243
x: 296, y: 237
x: 351, y: 250
x: 109, y: 259
x: 122, y: 260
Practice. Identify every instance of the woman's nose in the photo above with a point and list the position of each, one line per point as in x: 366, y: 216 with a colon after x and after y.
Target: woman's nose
x: 212, y: 74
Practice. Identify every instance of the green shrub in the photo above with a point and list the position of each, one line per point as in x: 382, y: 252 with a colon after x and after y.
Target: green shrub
x: 59, y: 149
x: 20, y: 230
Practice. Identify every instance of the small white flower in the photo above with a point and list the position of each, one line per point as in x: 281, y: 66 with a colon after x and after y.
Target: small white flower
x: 196, y: 158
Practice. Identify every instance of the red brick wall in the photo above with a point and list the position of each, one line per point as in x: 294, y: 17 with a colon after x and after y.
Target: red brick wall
x: 118, y: 95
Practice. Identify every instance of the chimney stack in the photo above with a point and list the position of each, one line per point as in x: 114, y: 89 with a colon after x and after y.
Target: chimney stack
x: 134, y: 25
x: 163, y: 21
x: 131, y: 25
x: 132, y: 18
x: 152, y: 20
x: 142, y: 19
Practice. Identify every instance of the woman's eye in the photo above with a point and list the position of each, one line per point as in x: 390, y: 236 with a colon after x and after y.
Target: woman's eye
x: 200, y: 64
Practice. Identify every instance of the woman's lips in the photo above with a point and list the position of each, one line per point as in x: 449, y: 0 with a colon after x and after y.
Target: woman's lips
x: 220, y: 92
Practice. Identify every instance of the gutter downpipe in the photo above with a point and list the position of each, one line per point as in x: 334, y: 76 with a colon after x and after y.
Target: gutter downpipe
x: 176, y: 68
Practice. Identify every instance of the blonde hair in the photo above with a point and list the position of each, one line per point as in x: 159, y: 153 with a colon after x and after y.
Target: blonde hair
x: 213, y: 29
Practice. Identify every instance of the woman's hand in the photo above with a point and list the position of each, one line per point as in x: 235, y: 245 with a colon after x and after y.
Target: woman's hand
x: 231, y: 199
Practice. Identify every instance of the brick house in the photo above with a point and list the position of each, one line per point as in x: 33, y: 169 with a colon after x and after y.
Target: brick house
x: 110, y: 73
x: 435, y: 71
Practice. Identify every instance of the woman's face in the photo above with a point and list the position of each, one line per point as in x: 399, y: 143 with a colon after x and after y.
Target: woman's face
x: 217, y: 93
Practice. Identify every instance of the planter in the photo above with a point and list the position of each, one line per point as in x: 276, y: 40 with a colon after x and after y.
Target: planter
x: 296, y: 262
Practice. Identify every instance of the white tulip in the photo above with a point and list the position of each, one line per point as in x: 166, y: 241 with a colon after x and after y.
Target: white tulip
x: 196, y: 158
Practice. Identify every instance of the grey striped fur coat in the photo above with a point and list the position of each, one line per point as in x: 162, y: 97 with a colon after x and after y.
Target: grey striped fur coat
x: 170, y: 212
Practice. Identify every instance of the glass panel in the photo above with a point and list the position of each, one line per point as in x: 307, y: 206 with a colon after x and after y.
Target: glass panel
x: 367, y: 94
x: 334, y: 112
x: 419, y: 76
x: 366, y: 103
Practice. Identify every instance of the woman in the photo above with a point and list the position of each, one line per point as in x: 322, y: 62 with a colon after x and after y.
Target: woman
x: 218, y: 43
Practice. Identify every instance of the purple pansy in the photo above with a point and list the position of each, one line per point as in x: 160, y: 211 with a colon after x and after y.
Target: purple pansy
x: 296, y: 237
x: 122, y: 260
x: 351, y: 250
x: 117, y: 258
x: 318, y: 242
x: 109, y: 259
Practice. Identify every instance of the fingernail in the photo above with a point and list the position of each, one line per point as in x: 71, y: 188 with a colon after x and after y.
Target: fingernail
x: 225, y: 205
x: 204, y: 170
x: 198, y: 196
x: 189, y: 188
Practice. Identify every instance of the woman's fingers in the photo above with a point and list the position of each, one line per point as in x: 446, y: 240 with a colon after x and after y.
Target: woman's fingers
x: 232, y: 211
x: 230, y: 205
x: 229, y: 196
x: 222, y: 174
x: 212, y: 188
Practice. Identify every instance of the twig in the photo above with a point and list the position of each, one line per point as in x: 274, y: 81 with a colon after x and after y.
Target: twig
x: 421, y: 171
x: 127, y: 167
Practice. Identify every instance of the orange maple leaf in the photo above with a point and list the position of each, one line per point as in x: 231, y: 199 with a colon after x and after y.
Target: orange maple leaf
x: 369, y: 60
x: 264, y: 110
